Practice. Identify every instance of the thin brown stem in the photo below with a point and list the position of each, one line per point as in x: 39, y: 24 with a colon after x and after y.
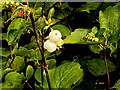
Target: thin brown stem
x: 41, y: 50
x: 60, y: 5
x: 12, y: 57
x: 107, y: 68
x: 118, y: 56
x: 28, y: 84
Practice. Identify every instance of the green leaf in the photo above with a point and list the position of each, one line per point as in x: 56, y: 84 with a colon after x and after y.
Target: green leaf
x: 65, y: 75
x: 89, y: 6
x: 8, y: 63
x: 19, y: 63
x: 38, y: 76
x: 3, y: 36
x: 29, y: 72
x: 51, y: 63
x: 4, y: 52
x: 100, y: 32
x: 94, y: 30
x: 97, y: 66
x: 59, y: 15
x: 37, y: 5
x: 65, y: 31
x: 95, y: 48
x: 76, y: 36
x: 39, y: 24
x: 109, y: 20
x: 48, y: 5
x: 112, y: 46
x: 11, y: 85
x: 7, y: 70
x: 51, y: 13
x: 14, y: 77
x: 15, y: 30
x: 32, y: 45
x: 34, y: 54
x: 117, y: 85
x: 13, y: 80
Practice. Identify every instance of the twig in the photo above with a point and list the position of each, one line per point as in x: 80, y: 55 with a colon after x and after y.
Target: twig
x: 40, y: 48
x: 12, y: 57
x: 107, y: 68
x: 118, y: 56
x: 60, y: 5
x: 28, y: 85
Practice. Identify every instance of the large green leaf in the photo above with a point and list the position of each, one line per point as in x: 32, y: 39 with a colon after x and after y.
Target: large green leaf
x: 97, y: 66
x: 4, y: 52
x: 65, y: 31
x: 61, y: 77
x: 13, y: 80
x: 19, y: 63
x: 29, y: 72
x: 15, y: 29
x: 109, y: 20
x: 14, y: 77
x: 89, y: 6
x: 76, y: 36
x: 65, y: 75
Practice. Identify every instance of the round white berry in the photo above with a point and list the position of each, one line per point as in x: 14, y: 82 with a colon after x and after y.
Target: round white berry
x: 55, y: 36
x: 50, y: 46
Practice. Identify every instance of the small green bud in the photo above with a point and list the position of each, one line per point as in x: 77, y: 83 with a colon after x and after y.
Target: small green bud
x: 17, y: 3
x: 96, y: 39
x: 7, y: 2
x: 12, y: 2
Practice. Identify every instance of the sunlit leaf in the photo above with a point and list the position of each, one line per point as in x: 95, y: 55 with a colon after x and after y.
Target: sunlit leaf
x: 29, y: 72
x: 65, y: 31
x: 65, y: 75
x: 19, y: 63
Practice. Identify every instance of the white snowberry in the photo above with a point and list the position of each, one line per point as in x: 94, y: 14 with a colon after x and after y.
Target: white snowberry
x: 55, y: 36
x: 50, y: 46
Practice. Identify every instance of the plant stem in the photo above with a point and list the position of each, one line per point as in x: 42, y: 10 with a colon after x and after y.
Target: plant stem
x: 106, y: 67
x: 60, y: 5
x: 28, y: 85
x: 118, y: 56
x: 12, y: 57
x: 41, y: 50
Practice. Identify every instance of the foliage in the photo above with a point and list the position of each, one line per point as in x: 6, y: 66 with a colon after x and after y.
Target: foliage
x: 97, y: 67
x: 79, y: 50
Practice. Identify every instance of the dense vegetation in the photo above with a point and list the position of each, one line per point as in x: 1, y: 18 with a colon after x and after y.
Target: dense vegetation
x: 60, y: 45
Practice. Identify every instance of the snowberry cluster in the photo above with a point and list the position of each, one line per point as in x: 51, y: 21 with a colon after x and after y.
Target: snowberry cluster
x: 53, y: 41
x: 92, y: 37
